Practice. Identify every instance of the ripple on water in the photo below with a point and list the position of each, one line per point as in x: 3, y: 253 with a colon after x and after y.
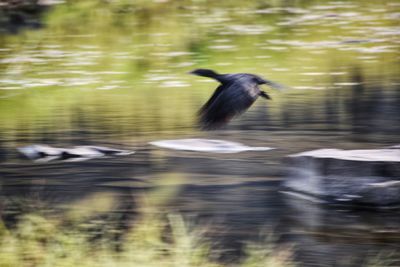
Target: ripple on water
x: 276, y: 10
x: 386, y: 31
x: 337, y: 73
x: 262, y: 57
x: 309, y: 87
x: 392, y: 16
x: 167, y: 84
x: 346, y: 83
x: 213, y: 20
x: 318, y: 52
x: 108, y: 87
x: 79, y: 81
x: 41, y: 83
x: 54, y: 53
x: 183, y: 64
x: 371, y: 50
x: 112, y: 72
x: 59, y: 71
x: 275, y: 48
x: 222, y: 40
x: 313, y: 73
x: 224, y: 64
x: 223, y: 47
x: 14, y: 82
x: 280, y: 69
x: 21, y: 59
x: 10, y: 88
x: 157, y: 77
x: 249, y: 29
x: 173, y: 54
x: 78, y: 63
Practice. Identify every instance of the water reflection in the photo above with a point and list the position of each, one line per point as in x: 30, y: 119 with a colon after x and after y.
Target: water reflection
x: 120, y: 81
x: 341, y: 237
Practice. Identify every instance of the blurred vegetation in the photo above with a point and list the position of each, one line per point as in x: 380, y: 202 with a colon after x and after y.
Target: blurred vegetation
x: 92, y: 232
x: 152, y: 241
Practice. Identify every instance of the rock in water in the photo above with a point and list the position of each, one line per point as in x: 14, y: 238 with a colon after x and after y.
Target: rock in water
x: 35, y: 152
x: 108, y: 151
x: 364, y: 177
x: 44, y: 153
x: 207, y: 145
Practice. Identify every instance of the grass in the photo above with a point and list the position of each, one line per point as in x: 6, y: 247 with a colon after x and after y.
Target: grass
x: 153, y: 241
x: 89, y: 233
x: 37, y: 241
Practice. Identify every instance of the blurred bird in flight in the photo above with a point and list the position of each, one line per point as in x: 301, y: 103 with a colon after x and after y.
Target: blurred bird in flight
x: 234, y: 96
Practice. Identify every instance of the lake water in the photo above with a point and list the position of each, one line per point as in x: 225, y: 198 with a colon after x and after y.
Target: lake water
x: 116, y: 75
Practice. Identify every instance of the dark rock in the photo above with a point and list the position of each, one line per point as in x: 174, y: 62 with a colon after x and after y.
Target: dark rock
x: 365, y: 177
x: 331, y: 235
x: 17, y: 15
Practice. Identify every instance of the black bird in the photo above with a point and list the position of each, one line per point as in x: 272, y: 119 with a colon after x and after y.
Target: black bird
x: 234, y: 96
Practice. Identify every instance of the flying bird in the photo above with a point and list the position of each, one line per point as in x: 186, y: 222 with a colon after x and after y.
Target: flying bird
x: 236, y: 93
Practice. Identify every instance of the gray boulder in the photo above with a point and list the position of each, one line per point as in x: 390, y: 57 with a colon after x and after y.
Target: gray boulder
x: 367, y: 177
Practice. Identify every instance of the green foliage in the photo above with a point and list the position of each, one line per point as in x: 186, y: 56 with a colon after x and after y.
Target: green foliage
x: 153, y: 239
x: 43, y: 242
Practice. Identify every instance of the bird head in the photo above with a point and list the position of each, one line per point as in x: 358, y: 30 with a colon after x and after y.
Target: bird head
x: 204, y: 72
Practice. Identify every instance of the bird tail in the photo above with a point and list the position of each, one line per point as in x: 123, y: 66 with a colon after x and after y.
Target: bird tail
x: 275, y: 85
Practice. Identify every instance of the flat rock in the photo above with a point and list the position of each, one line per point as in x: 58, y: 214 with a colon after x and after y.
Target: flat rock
x: 364, y: 177
x: 386, y: 155
x: 45, y: 153
x: 207, y: 145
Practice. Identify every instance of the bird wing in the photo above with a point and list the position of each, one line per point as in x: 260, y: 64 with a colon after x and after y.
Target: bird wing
x: 228, y: 100
x: 216, y: 93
